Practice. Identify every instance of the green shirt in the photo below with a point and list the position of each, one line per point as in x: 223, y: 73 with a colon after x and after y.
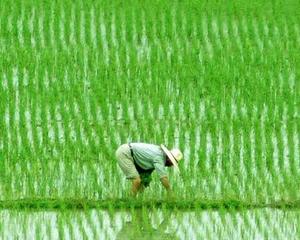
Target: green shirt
x: 150, y: 156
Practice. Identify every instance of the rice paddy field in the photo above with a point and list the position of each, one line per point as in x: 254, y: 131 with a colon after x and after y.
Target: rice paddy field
x: 219, y: 80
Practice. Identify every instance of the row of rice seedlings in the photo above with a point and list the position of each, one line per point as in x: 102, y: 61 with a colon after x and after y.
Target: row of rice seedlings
x: 88, y: 18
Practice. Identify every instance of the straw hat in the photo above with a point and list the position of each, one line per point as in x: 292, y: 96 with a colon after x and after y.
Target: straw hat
x: 174, y: 155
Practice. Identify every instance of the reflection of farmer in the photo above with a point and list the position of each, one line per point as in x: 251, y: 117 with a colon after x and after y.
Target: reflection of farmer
x: 141, y: 228
x: 138, y: 160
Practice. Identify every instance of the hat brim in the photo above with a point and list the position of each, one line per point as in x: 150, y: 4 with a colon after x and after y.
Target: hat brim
x: 170, y: 156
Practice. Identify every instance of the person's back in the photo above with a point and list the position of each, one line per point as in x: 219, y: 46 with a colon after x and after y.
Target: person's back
x: 149, y: 156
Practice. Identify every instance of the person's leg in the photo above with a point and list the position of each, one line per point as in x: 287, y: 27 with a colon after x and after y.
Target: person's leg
x: 136, y: 185
x: 127, y: 166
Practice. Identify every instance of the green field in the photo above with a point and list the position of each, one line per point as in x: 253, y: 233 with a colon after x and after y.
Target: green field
x: 219, y: 80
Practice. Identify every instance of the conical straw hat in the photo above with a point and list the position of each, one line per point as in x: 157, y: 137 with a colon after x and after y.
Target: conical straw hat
x: 174, y: 155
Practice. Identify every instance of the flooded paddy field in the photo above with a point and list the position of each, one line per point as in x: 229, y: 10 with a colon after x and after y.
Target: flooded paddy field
x: 150, y: 224
x: 221, y: 82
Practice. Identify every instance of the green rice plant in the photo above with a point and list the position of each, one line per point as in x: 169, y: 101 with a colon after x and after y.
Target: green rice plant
x: 83, y: 78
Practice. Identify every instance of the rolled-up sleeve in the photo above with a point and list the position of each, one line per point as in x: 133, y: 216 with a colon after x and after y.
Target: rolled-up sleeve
x: 159, y: 166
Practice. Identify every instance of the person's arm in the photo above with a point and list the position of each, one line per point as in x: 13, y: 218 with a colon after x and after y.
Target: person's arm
x: 159, y: 165
x: 165, y: 182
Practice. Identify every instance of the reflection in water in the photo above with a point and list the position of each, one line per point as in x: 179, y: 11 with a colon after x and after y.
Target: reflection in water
x: 266, y: 223
x: 141, y: 227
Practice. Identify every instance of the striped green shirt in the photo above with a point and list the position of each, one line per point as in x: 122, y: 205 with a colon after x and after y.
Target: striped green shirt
x: 150, y: 156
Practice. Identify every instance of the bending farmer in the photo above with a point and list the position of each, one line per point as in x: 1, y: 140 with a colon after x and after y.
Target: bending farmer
x: 138, y: 160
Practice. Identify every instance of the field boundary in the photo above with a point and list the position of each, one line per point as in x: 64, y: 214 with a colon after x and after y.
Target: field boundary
x: 61, y: 204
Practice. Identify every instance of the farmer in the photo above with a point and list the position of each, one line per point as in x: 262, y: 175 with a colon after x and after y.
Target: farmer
x: 138, y: 160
